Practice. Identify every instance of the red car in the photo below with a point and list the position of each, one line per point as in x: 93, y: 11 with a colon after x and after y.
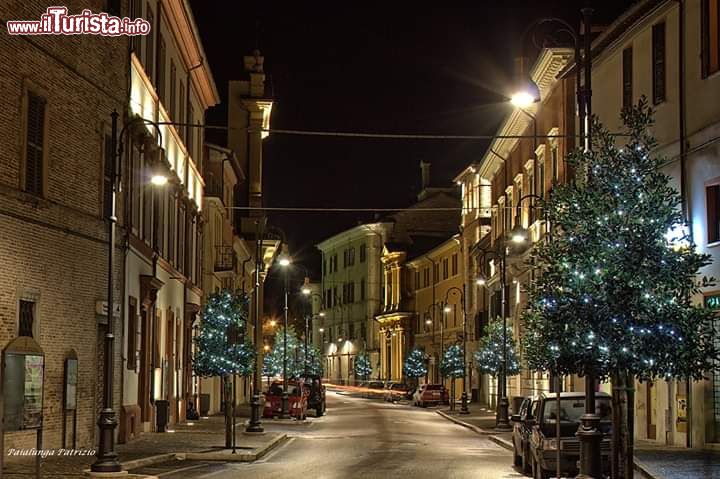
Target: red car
x: 297, y: 400
x: 430, y: 394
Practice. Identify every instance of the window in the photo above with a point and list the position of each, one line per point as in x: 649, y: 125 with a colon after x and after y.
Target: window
x: 172, y: 107
x: 712, y: 198
x: 362, y: 289
x: 335, y: 263
x: 454, y: 264
x: 161, y: 70
x: 132, y: 334
x: 509, y: 211
x: 181, y: 110
x: 426, y: 277
x: 345, y: 258
x: 363, y: 253
x: 627, y: 73
x: 35, y: 144
x: 351, y: 331
x: 541, y: 178
x: 531, y: 185
x: 172, y: 229
x: 190, y: 131
x: 26, y: 318
x: 150, y: 44
x: 335, y: 296
x: 445, y: 268
x: 436, y: 272
x: 351, y: 256
x: 658, y: 62
x: 710, y: 33
x: 351, y: 292
x: 363, y: 331
x: 417, y: 280
x: 182, y: 224
x: 554, y: 159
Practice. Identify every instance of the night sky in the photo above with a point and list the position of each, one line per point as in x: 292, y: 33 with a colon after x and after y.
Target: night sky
x: 389, y: 70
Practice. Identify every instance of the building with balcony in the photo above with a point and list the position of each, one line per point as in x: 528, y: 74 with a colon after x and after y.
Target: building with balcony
x: 171, y: 86
x: 492, y: 188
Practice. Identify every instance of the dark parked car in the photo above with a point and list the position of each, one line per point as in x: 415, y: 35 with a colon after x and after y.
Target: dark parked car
x: 316, y: 394
x: 543, y: 443
x: 522, y: 429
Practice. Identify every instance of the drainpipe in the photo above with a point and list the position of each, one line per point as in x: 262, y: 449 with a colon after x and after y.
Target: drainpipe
x: 683, y: 176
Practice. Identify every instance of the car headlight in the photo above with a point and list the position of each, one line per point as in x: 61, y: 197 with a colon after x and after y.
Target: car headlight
x: 550, y: 444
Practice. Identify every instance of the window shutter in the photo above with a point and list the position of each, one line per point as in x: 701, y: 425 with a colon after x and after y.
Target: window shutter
x: 35, y: 144
x: 713, y: 222
x: 658, y: 54
x: 627, y: 72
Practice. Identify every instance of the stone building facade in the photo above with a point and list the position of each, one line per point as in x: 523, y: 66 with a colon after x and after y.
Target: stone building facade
x: 55, y: 124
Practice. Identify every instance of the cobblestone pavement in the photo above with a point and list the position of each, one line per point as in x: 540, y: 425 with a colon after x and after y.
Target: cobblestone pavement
x: 677, y: 463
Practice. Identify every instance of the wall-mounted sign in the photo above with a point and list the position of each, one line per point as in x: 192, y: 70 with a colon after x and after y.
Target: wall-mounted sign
x: 23, y: 390
x: 713, y: 302
x: 71, y: 380
x: 101, y: 308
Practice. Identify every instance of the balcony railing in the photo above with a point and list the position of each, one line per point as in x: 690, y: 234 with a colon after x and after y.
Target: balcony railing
x: 225, y: 258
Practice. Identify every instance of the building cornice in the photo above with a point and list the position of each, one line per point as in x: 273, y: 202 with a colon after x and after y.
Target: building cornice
x: 182, y: 24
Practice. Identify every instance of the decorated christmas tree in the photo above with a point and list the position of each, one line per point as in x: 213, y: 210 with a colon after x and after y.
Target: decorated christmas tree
x: 614, y: 298
x: 415, y: 364
x: 271, y: 368
x: 294, y: 351
x: 451, y: 364
x: 313, y: 363
x: 363, y: 369
x: 489, y: 356
x: 222, y: 347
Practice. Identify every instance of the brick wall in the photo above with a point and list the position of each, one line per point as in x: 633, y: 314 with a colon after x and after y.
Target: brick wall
x: 55, y: 245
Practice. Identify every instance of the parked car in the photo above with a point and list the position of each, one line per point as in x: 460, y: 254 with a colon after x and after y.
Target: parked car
x: 297, y: 400
x: 396, y: 391
x: 543, y: 443
x: 430, y: 394
x: 522, y: 428
x: 316, y: 394
x: 374, y: 389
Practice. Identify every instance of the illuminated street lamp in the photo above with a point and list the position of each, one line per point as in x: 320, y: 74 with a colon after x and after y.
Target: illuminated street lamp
x: 106, y: 457
x: 284, y: 261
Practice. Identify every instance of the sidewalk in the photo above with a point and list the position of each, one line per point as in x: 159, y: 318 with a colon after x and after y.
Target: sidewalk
x: 203, y: 439
x: 652, y: 461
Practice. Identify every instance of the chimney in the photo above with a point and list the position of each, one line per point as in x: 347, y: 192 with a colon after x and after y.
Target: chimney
x: 425, y: 170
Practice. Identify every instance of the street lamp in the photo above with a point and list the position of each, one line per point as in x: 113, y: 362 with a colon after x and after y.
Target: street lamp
x: 502, y: 422
x: 106, y: 457
x: 588, y: 432
x: 309, y: 295
x: 461, y: 293
x: 284, y: 262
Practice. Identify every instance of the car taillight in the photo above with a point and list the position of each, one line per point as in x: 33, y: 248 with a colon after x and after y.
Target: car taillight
x: 268, y: 404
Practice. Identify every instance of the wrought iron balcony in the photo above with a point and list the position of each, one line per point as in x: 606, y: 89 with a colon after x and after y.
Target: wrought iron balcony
x: 225, y: 258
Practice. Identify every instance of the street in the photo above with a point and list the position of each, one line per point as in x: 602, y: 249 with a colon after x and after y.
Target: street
x: 369, y: 439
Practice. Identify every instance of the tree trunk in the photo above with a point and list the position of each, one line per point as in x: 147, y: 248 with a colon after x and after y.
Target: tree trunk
x: 622, y: 415
x: 228, y: 410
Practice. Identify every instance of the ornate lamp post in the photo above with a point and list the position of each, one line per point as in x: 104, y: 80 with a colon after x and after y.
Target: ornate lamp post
x: 307, y: 292
x: 106, y: 458
x: 285, y: 412
x: 502, y: 421
x: 464, y: 396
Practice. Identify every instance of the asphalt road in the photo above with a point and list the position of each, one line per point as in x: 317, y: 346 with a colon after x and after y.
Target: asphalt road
x: 365, y: 439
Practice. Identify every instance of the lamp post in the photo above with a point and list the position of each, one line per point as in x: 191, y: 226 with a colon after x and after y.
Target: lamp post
x: 431, y: 320
x: 464, y: 396
x: 307, y: 292
x: 106, y: 457
x: 588, y: 433
x: 502, y: 422
x: 254, y: 424
x: 285, y: 413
